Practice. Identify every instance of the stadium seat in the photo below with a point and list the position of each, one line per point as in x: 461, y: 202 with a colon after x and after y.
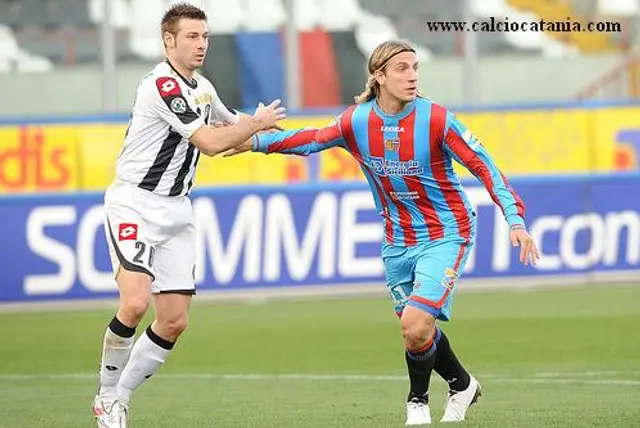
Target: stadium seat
x: 371, y: 30
x: 28, y: 63
x: 523, y: 39
x: 338, y: 15
x: 619, y: 8
x: 8, y: 44
x: 264, y: 15
x: 145, y: 19
x: 306, y: 15
x: 5, y: 65
x: 488, y: 8
x: 552, y: 48
x: 120, y: 12
x: 224, y: 16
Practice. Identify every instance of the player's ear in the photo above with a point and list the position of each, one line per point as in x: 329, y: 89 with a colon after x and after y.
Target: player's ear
x: 169, y: 40
x: 380, y: 77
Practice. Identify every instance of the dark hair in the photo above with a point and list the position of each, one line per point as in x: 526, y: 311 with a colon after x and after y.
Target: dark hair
x: 177, y: 12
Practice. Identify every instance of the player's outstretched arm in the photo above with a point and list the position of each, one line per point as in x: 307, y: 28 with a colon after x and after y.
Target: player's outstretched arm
x: 214, y: 140
x: 469, y: 152
x: 301, y: 142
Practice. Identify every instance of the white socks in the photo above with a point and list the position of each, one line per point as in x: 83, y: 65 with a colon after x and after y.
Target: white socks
x: 149, y: 352
x: 116, y: 347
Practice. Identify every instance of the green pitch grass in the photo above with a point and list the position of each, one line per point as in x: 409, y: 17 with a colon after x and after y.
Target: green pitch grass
x: 561, y: 358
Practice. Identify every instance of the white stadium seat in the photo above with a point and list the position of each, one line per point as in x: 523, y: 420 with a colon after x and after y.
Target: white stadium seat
x: 488, y: 8
x: 619, y: 7
x: 120, y: 12
x: 339, y: 15
x: 145, y: 23
x: 224, y: 16
x: 265, y: 15
x: 307, y: 15
x: 8, y: 43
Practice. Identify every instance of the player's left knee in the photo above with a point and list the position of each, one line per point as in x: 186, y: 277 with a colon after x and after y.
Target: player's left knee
x: 173, y: 327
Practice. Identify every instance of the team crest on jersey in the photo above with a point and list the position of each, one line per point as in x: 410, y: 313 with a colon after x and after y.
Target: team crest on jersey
x: 178, y: 105
x: 392, y: 145
x: 450, y: 278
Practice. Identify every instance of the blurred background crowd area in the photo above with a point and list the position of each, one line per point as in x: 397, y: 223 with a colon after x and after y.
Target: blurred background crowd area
x: 542, y: 102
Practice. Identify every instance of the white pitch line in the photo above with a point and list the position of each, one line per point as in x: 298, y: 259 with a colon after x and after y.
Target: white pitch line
x: 587, y: 373
x: 531, y: 379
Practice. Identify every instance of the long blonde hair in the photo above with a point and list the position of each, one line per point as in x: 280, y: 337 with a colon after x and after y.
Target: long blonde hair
x: 378, y: 60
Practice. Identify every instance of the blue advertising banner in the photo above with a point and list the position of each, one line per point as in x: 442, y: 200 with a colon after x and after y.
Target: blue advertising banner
x: 54, y: 247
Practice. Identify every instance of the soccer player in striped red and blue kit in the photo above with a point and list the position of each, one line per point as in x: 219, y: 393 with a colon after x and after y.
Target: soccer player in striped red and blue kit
x: 406, y: 145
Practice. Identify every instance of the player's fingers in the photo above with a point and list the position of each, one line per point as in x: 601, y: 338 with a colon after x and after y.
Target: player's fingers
x: 230, y: 152
x: 535, y: 253
x: 514, y: 240
x: 529, y: 251
x: 275, y: 103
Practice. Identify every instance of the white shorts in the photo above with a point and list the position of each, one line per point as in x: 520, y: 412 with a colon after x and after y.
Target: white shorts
x: 152, y: 234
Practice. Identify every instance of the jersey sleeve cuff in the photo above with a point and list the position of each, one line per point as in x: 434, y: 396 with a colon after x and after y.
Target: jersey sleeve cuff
x: 258, y: 144
x: 514, y: 221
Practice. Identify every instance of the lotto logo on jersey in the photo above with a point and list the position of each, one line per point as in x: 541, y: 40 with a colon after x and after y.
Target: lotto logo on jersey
x: 127, y: 232
x: 168, y: 87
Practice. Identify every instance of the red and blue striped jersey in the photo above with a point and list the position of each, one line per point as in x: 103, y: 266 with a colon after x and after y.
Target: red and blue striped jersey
x: 407, y: 160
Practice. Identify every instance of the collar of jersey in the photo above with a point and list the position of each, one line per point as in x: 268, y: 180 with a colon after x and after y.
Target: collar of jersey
x: 398, y: 116
x: 192, y: 84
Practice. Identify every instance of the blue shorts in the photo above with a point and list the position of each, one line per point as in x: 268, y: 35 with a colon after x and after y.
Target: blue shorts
x: 425, y: 276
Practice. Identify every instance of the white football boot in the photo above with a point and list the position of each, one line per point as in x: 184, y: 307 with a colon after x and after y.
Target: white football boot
x: 418, y: 412
x: 459, y: 402
x: 110, y: 413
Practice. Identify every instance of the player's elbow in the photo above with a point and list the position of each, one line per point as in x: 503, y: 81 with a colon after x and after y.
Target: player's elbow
x: 210, y: 151
x: 208, y: 143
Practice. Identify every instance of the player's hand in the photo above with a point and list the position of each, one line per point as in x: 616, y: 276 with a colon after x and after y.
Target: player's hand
x: 245, y: 146
x: 528, y: 249
x: 275, y: 128
x: 268, y: 116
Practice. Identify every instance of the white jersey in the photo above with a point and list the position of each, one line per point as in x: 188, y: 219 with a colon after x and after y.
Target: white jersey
x: 157, y: 155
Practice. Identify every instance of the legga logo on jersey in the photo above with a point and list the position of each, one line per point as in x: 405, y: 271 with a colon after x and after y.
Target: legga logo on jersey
x: 178, y: 105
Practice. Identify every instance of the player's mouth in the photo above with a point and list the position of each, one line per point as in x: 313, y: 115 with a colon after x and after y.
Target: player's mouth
x: 200, y: 57
x: 412, y: 90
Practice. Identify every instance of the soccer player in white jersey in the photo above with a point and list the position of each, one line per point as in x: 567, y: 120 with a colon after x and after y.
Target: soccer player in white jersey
x: 149, y: 220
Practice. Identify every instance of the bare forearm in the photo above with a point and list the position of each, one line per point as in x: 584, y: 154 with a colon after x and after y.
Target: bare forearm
x: 212, y: 141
